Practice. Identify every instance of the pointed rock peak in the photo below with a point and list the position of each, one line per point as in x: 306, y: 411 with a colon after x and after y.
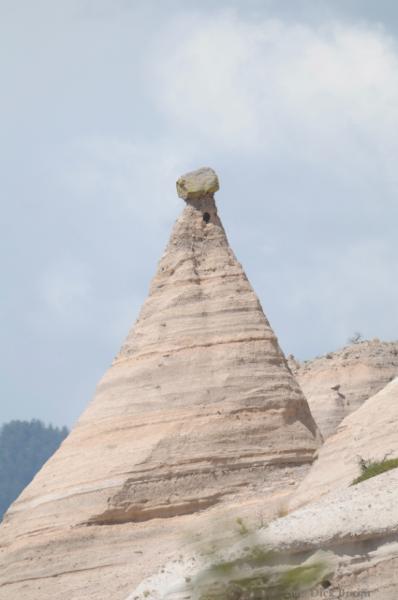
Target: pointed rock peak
x: 198, y: 412
x: 197, y: 184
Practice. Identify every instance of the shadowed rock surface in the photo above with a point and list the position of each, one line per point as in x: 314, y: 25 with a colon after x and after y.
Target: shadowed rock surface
x: 198, y: 410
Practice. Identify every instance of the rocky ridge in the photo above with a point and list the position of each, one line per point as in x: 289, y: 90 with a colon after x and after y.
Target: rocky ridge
x: 338, y: 383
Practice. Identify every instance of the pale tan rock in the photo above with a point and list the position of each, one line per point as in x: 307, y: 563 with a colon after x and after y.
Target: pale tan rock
x: 338, y: 383
x: 198, y: 410
x: 353, y: 532
x: 197, y: 184
x: 370, y: 433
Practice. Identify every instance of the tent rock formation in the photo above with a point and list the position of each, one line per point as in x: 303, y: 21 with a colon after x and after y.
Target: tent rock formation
x: 199, y: 409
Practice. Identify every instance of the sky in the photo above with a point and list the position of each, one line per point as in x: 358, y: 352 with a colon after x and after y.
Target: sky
x: 104, y: 103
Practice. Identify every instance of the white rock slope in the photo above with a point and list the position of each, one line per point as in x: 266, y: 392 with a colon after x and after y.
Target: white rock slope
x: 371, y: 433
x: 352, y: 532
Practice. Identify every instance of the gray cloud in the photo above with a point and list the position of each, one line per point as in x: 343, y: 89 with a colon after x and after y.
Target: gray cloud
x: 294, y: 104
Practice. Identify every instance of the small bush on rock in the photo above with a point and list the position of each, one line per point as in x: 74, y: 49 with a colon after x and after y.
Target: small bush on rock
x: 371, y: 468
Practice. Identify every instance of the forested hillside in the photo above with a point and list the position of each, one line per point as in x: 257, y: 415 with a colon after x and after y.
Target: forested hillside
x: 24, y: 448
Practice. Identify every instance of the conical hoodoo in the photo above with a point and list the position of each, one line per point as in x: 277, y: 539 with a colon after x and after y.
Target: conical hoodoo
x: 198, y: 405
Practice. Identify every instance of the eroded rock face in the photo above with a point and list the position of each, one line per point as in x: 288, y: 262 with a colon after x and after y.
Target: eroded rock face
x: 198, y: 410
x: 370, y: 433
x: 338, y: 383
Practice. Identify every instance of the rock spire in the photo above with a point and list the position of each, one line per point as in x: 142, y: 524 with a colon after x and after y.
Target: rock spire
x: 198, y: 408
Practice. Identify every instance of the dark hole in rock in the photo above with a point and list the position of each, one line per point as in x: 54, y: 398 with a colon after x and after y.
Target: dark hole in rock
x: 206, y: 217
x: 326, y: 583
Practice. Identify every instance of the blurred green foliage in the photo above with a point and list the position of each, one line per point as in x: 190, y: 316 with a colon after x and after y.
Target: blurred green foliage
x: 255, y: 572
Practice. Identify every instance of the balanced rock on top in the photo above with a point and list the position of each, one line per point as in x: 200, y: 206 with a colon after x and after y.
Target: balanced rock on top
x: 197, y: 183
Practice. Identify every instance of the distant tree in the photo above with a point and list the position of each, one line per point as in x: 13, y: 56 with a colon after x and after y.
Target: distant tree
x: 355, y: 338
x: 24, y: 448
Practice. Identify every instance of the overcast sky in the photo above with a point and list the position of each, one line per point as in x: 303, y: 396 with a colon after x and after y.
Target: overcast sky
x: 104, y: 103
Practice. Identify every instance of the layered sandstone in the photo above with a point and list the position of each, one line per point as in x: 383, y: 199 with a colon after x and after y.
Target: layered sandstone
x: 370, y: 433
x: 338, y: 383
x: 349, y: 531
x: 198, y: 410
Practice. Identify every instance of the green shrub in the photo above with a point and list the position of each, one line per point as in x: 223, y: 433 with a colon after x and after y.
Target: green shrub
x: 371, y: 468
